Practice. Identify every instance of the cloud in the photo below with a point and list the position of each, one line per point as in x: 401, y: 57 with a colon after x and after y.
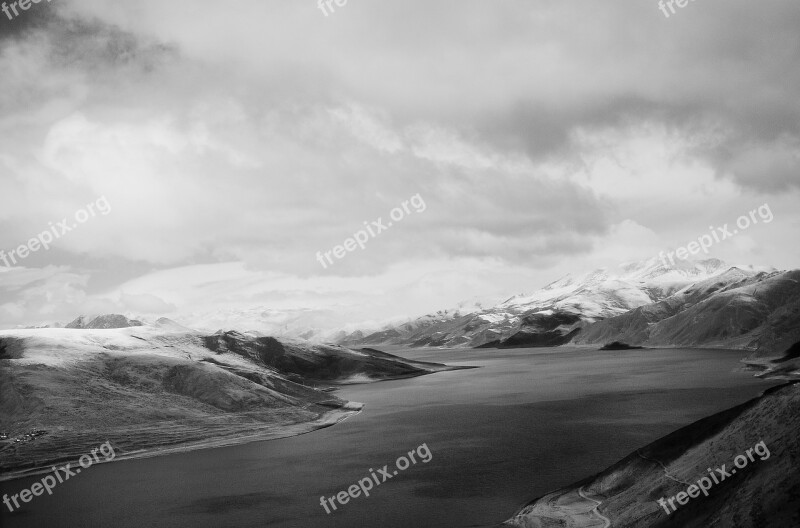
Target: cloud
x: 539, y: 134
x: 145, y: 304
x: 771, y: 166
x: 35, y: 296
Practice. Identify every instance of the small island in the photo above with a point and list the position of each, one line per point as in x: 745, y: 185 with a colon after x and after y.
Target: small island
x: 619, y: 345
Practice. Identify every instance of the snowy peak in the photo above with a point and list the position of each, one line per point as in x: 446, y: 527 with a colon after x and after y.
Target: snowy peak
x: 547, y: 316
x: 632, y: 284
x: 102, y: 322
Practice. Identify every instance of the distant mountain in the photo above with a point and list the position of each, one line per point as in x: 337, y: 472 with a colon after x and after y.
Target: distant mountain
x: 398, y: 333
x: 163, y: 387
x: 552, y: 315
x: 736, y: 309
x: 102, y: 322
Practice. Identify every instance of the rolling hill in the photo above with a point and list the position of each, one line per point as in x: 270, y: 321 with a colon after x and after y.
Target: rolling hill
x: 159, y: 388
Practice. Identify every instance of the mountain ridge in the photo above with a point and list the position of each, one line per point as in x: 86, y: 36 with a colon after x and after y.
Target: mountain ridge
x: 558, y: 312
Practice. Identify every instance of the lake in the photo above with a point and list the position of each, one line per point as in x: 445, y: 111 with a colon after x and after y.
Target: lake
x: 525, y: 423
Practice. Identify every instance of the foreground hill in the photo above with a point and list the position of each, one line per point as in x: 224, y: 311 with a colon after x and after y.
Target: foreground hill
x: 159, y: 388
x: 763, y: 492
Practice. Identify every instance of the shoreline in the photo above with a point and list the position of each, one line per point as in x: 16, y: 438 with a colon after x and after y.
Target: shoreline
x: 570, y: 507
x: 626, y: 478
x: 327, y: 419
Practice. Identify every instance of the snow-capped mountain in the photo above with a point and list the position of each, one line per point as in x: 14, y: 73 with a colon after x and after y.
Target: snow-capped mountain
x: 553, y: 314
x: 98, y: 322
x: 604, y: 292
x: 736, y: 309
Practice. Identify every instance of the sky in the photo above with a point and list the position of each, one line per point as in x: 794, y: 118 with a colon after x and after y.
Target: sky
x: 225, y: 147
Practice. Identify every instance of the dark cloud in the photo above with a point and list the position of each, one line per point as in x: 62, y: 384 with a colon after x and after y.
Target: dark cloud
x: 38, y: 16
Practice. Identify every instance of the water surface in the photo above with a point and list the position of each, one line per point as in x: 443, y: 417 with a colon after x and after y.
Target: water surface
x: 529, y: 421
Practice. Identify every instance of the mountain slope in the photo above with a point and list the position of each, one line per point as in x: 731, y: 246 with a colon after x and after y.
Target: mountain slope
x: 736, y: 309
x: 156, y: 388
x: 765, y: 492
x: 552, y: 315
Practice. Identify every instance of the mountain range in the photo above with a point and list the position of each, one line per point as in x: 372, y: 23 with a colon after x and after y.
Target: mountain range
x: 690, y: 303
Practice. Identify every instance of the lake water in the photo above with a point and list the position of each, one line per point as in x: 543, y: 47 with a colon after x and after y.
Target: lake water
x: 529, y: 421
